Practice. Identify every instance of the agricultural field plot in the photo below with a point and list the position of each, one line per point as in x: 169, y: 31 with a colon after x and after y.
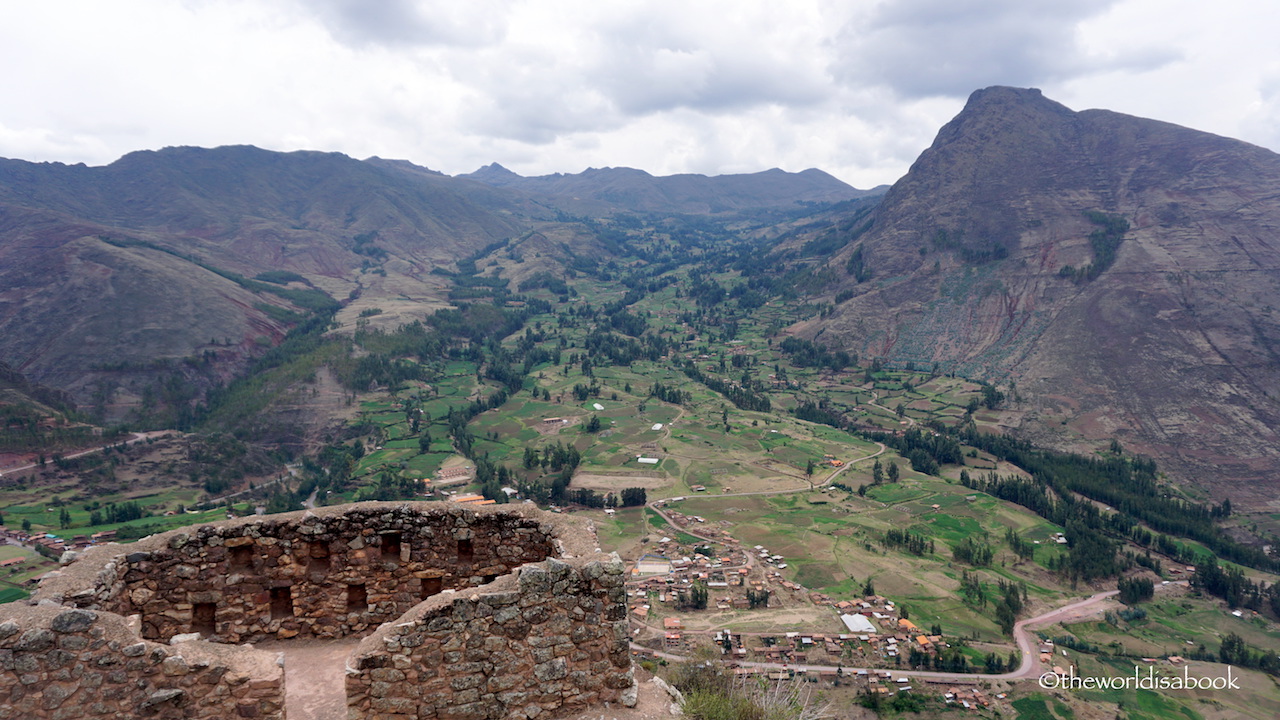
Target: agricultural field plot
x: 1257, y: 697
x: 614, y: 483
x: 834, y: 544
x: 771, y: 620
x: 1173, y: 619
x: 623, y: 532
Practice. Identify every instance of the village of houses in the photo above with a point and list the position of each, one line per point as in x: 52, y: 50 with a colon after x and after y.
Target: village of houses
x: 877, y: 635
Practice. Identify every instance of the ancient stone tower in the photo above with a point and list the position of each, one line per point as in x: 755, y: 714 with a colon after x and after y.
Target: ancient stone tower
x: 466, y: 613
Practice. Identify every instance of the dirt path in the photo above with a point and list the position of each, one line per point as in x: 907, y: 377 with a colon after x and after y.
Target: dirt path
x: 315, y: 677
x: 137, y: 438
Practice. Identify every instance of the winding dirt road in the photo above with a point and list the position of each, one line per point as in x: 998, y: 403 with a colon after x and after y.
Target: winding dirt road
x: 137, y: 438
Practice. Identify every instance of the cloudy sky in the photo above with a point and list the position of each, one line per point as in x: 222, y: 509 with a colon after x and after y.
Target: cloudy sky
x: 855, y: 87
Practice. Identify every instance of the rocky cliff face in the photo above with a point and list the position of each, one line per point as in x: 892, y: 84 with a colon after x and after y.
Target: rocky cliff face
x: 981, y: 259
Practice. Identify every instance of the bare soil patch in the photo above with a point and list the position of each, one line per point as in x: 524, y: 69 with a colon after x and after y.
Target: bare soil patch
x: 597, y: 481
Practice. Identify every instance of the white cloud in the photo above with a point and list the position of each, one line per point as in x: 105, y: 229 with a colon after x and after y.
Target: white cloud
x: 857, y: 89
x: 391, y: 23
x: 926, y: 48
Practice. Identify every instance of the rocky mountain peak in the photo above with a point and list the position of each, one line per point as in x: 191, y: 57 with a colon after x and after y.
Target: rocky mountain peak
x: 985, y: 259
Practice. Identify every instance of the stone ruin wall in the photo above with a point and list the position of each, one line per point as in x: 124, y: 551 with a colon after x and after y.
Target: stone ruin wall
x: 327, y: 576
x: 65, y: 664
x: 344, y: 571
x: 549, y: 640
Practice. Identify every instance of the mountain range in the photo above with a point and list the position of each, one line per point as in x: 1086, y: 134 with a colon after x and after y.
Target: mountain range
x: 1117, y: 277
x: 1123, y: 273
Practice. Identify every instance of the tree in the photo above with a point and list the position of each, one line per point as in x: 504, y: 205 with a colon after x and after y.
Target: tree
x: 593, y: 424
x: 877, y: 473
x: 869, y: 589
x: 64, y: 519
x: 424, y: 443
x: 634, y: 497
x: 1134, y: 590
x: 696, y: 597
x: 893, y: 472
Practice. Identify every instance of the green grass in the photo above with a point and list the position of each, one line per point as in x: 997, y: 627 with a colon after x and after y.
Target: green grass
x: 1034, y: 707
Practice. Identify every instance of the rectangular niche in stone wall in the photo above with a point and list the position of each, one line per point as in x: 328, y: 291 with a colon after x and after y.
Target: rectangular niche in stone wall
x: 242, y: 558
x: 432, y: 586
x: 202, y: 617
x: 357, y: 598
x: 466, y: 553
x: 391, y: 547
x: 318, y: 556
x: 281, y: 603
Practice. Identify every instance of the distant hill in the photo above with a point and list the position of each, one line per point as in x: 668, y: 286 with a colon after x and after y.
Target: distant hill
x: 638, y: 191
x: 1123, y: 272
x: 111, y: 277
x: 151, y: 280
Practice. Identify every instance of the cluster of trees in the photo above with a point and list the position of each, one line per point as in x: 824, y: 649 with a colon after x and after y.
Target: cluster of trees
x: 1230, y: 584
x: 979, y: 252
x: 117, y: 513
x: 805, y: 353
x: 879, y: 475
x: 1020, y: 546
x: 633, y: 497
x: 926, y: 451
x: 909, y: 541
x: 1104, y: 242
x: 1235, y: 651
x: 954, y: 660
x: 857, y: 264
x: 1127, y: 484
x: 743, y: 397
x: 695, y: 598
x: 556, y: 457
x: 1090, y: 554
x: 1134, y: 590
x: 619, y: 350
x: 1010, y: 600
x: 973, y: 551
x: 670, y: 394
x: 388, y: 486
x: 822, y: 413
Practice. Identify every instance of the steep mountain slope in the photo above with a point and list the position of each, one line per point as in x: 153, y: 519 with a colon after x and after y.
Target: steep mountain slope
x: 638, y: 191
x: 981, y: 259
x: 115, y: 278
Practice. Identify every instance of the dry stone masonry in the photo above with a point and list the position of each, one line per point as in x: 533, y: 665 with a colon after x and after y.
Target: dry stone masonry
x: 66, y: 664
x: 469, y: 613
